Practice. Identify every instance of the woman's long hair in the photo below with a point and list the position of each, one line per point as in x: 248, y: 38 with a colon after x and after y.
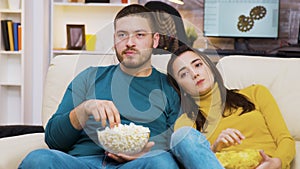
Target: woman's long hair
x: 230, y: 99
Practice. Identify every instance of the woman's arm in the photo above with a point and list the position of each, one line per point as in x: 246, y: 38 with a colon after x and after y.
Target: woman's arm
x: 274, y: 120
x: 227, y: 138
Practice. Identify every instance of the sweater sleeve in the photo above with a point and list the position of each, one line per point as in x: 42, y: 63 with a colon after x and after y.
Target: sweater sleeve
x: 184, y: 120
x: 59, y: 132
x: 276, y: 124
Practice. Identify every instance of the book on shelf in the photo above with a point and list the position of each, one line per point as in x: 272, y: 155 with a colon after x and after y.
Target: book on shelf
x: 16, y: 36
x: 10, y: 35
x: 20, y: 36
x: 4, y: 31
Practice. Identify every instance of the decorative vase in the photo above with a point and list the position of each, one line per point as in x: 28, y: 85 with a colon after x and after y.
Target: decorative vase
x: 90, y: 42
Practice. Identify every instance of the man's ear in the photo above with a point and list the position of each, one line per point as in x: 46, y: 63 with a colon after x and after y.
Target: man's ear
x: 114, y: 38
x: 155, y: 40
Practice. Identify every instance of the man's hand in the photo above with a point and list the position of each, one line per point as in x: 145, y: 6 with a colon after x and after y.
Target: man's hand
x: 268, y: 162
x: 124, y: 158
x: 227, y: 138
x: 101, y: 110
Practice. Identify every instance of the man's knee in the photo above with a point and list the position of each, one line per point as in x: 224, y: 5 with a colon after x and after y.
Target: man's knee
x: 38, y: 158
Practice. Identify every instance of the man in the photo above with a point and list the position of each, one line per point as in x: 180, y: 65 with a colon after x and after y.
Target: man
x: 132, y: 91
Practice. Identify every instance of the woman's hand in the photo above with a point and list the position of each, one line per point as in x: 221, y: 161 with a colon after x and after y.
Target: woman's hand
x: 227, y: 138
x: 121, y: 158
x: 101, y: 110
x: 268, y: 162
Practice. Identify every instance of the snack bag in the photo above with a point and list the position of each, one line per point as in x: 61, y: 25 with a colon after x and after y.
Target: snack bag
x: 246, y: 159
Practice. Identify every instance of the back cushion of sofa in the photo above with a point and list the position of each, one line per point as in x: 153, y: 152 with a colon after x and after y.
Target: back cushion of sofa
x: 62, y: 69
x: 279, y: 75
x: 160, y: 62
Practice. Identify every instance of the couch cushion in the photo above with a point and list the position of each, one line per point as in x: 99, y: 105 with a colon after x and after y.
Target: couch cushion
x: 280, y: 75
x: 14, y: 149
x: 160, y: 62
x: 62, y: 70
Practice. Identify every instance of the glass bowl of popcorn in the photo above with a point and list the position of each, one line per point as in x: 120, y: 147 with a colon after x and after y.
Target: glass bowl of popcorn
x: 126, y: 139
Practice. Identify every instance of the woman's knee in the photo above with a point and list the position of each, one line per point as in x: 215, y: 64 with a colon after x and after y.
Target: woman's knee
x: 153, y: 160
x: 188, y: 136
x: 162, y: 160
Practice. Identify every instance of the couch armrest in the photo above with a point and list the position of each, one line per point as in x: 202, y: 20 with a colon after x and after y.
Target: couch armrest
x: 15, y: 130
x: 14, y: 149
x: 296, y: 162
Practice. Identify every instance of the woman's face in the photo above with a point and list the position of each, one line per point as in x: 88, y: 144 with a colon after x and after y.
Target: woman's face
x: 192, y: 74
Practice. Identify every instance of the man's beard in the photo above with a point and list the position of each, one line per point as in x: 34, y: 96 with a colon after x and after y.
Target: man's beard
x: 130, y: 64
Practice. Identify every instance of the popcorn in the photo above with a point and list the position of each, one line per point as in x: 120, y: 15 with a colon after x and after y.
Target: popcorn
x: 246, y: 159
x: 127, y: 139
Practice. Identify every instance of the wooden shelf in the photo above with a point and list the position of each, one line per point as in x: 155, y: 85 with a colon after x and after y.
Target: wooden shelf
x: 10, y: 10
x: 11, y: 52
x: 97, y: 18
x: 12, y: 72
x: 70, y: 52
x: 10, y: 84
x: 90, y: 4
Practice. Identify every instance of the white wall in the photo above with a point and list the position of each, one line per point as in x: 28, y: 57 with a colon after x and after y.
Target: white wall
x: 36, y: 52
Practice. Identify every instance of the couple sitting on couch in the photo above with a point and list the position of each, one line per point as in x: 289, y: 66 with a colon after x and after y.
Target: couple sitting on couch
x: 134, y: 91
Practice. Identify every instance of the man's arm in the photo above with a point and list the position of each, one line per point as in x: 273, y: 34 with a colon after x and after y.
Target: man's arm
x: 101, y: 110
x: 64, y: 128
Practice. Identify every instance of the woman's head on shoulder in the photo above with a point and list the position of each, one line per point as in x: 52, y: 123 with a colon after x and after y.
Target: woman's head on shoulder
x: 194, y: 77
x: 192, y: 72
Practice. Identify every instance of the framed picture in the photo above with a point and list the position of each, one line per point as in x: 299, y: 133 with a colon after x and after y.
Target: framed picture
x: 75, y: 37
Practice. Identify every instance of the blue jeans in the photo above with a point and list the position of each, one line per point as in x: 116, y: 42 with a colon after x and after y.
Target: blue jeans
x: 53, y: 159
x: 192, y: 150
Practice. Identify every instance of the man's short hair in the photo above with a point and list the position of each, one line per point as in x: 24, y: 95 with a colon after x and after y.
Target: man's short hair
x: 137, y: 10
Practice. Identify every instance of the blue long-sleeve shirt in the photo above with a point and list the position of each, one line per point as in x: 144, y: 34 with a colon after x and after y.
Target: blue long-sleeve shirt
x: 148, y: 101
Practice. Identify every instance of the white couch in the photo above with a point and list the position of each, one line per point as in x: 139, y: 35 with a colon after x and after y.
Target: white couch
x: 279, y: 75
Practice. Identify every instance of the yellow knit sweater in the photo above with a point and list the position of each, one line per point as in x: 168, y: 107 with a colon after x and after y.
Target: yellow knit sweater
x: 264, y: 127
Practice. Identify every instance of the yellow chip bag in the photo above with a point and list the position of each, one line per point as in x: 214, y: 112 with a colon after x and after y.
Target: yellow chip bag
x: 246, y: 159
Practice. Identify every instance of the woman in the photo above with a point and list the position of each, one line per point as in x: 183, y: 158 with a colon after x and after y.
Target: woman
x: 232, y: 120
